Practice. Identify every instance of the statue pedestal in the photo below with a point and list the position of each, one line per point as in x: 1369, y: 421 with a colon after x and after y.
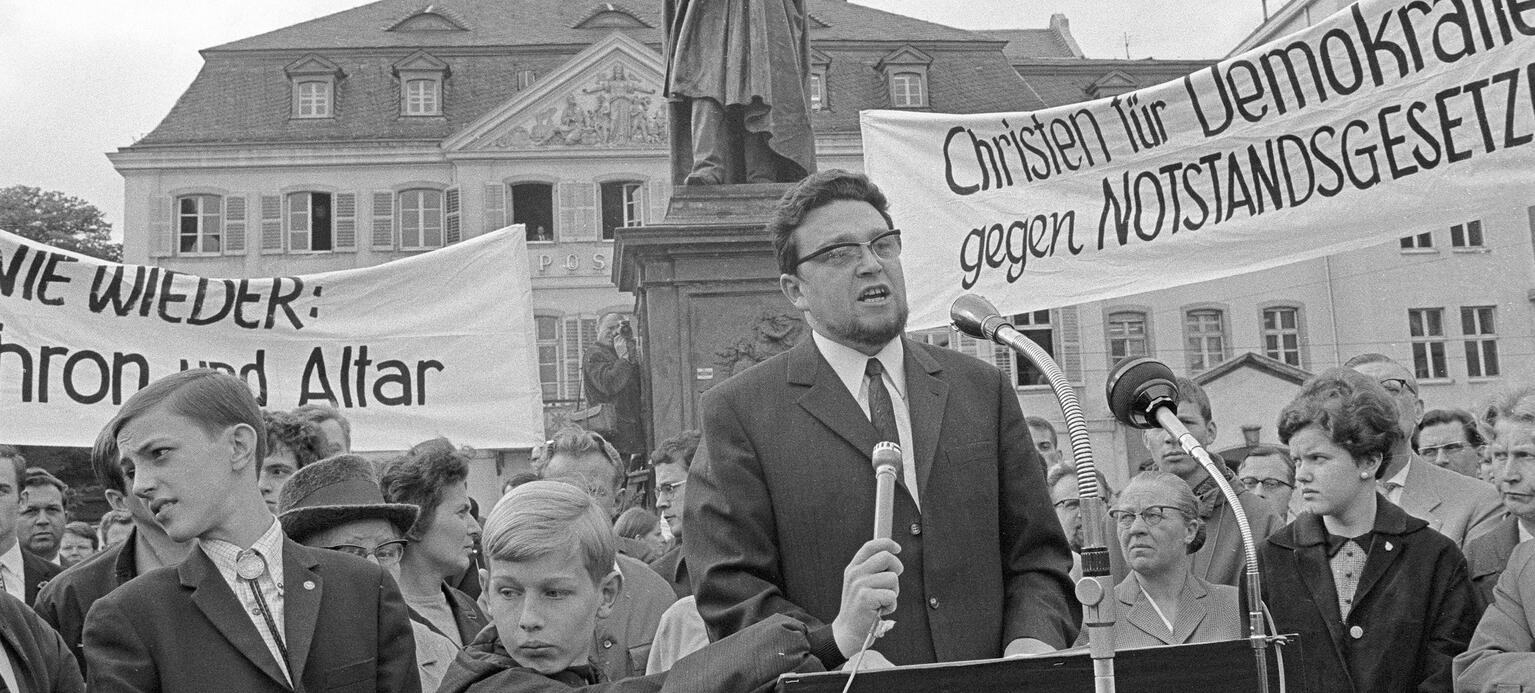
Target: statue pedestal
x: 707, y: 297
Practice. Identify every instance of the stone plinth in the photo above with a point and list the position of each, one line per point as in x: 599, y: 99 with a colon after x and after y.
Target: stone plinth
x: 707, y: 297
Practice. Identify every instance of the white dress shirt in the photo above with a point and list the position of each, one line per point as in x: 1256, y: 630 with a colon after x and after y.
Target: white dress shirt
x: 849, y: 365
x: 1400, y: 479
x: 225, y: 554
x: 13, y: 571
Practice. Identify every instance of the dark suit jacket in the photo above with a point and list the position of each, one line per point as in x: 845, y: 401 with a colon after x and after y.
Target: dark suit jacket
x: 182, y: 629
x: 1414, y: 609
x: 39, y: 657
x: 673, y: 567
x: 785, y: 491
x: 466, y: 615
x: 37, y: 572
x: 1487, y: 555
x: 66, y: 599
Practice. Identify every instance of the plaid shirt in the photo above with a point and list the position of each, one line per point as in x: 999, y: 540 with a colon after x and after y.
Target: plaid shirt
x: 269, y: 547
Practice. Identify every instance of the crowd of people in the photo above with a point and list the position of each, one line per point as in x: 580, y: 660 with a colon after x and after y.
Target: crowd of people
x: 251, y: 550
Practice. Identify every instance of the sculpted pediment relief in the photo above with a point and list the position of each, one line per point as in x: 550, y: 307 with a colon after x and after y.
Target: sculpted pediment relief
x: 616, y: 105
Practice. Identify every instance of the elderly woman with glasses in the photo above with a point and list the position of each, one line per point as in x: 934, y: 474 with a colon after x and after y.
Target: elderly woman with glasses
x: 335, y: 504
x: 1381, y: 601
x: 1161, y: 601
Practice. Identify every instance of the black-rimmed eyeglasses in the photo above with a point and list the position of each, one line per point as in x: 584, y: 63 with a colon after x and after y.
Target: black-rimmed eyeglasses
x: 886, y: 246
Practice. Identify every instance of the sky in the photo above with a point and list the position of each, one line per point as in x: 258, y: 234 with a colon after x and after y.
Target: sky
x: 81, y: 78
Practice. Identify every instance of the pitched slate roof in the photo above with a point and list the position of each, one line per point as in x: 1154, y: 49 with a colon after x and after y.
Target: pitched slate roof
x: 242, y: 95
x: 1062, y: 81
x: 1026, y: 44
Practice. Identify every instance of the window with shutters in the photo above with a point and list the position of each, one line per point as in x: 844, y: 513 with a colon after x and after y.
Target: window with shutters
x: 421, y: 219
x: 1281, y: 333
x: 199, y: 224
x: 1037, y: 327
x: 579, y: 334
x: 623, y: 204
x: 533, y: 206
x: 1426, y: 328
x: 1128, y: 334
x: 546, y: 330
x: 1476, y: 325
x: 310, y: 220
x: 454, y: 229
x: 1204, y: 334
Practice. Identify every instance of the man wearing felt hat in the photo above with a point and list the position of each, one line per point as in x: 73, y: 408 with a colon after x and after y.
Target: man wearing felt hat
x: 336, y: 504
x: 248, y: 610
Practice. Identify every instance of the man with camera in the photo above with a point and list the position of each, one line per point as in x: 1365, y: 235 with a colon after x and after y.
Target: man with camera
x: 611, y: 373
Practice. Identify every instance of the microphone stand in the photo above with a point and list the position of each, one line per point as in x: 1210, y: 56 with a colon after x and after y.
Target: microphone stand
x: 978, y: 318
x: 1167, y: 418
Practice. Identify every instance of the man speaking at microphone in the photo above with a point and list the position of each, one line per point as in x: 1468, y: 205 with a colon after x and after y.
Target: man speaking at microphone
x: 785, y: 490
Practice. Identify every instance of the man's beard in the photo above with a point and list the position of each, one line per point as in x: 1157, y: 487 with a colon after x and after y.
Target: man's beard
x: 878, y: 335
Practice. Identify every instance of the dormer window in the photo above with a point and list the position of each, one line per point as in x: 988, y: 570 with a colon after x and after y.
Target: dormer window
x: 905, y: 72
x: 421, y: 84
x: 314, y: 87
x: 610, y: 16
x: 820, y: 65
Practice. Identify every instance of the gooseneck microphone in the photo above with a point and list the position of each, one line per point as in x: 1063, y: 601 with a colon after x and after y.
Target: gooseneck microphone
x: 1143, y: 393
x: 978, y: 318
x: 887, y: 468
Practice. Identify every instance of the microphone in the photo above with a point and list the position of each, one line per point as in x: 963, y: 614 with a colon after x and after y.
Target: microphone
x: 887, y: 467
x: 1143, y: 393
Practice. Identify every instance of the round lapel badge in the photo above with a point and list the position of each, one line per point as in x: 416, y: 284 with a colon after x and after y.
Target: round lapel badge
x: 249, y: 566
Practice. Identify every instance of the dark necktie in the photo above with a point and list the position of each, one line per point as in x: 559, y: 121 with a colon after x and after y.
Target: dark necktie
x: 881, y: 411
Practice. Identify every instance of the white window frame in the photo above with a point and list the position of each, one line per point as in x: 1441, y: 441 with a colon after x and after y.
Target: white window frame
x: 1428, y: 343
x: 908, y: 89
x: 550, y: 388
x: 1274, y: 333
x: 1418, y: 243
x: 1198, y: 338
x: 817, y: 86
x: 1467, y: 236
x: 1117, y: 326
x: 316, y: 104
x: 417, y: 219
x: 421, y: 96
x: 1039, y: 326
x: 1478, y: 325
x: 203, y: 219
x: 299, y: 218
x: 632, y: 205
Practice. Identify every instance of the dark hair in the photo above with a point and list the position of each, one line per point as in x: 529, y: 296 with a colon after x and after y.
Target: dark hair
x: 37, y: 476
x: 1065, y: 468
x: 635, y: 523
x: 83, y: 530
x: 678, y: 449
x: 1357, y: 414
x: 815, y: 191
x: 106, y: 463
x: 419, y: 478
x: 1192, y: 392
x: 1450, y: 416
x: 18, y: 463
x: 576, y: 441
x: 300, y: 436
x: 320, y: 412
x: 516, y: 480
x: 1273, y: 451
x: 212, y: 399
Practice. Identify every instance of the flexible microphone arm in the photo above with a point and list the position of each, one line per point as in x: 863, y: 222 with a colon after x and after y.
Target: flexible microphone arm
x: 1143, y: 394
x: 975, y: 316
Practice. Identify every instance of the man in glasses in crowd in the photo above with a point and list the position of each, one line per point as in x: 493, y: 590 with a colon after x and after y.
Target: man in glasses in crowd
x: 1456, y: 506
x: 1268, y: 472
x: 785, y: 487
x: 1449, y: 438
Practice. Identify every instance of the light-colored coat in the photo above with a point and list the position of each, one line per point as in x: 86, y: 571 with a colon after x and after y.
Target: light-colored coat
x: 1501, y: 656
x: 1453, y: 504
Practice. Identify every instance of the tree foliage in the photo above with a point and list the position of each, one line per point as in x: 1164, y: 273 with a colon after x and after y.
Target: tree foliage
x: 59, y: 220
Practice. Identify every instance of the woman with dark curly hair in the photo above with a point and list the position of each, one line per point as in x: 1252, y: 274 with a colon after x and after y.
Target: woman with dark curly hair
x: 1161, y: 601
x: 1381, y: 601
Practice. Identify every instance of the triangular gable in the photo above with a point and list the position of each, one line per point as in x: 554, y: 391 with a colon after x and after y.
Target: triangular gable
x: 608, y: 96
x: 312, y: 65
x: 1258, y: 362
x: 420, y: 61
x: 819, y: 57
x: 1115, y: 82
x: 905, y: 55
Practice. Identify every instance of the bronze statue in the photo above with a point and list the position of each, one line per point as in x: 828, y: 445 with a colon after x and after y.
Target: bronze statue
x: 738, y: 69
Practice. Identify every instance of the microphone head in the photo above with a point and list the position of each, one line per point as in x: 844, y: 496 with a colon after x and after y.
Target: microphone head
x: 975, y: 316
x: 1137, y: 387
x: 887, y: 455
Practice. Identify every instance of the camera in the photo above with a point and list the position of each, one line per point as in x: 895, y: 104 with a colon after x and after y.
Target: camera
x: 625, y: 329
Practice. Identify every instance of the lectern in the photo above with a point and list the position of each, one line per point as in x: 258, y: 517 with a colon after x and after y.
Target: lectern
x: 1218, y: 667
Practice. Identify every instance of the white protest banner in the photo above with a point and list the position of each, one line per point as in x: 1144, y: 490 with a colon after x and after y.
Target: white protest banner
x: 440, y: 343
x: 1390, y: 117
